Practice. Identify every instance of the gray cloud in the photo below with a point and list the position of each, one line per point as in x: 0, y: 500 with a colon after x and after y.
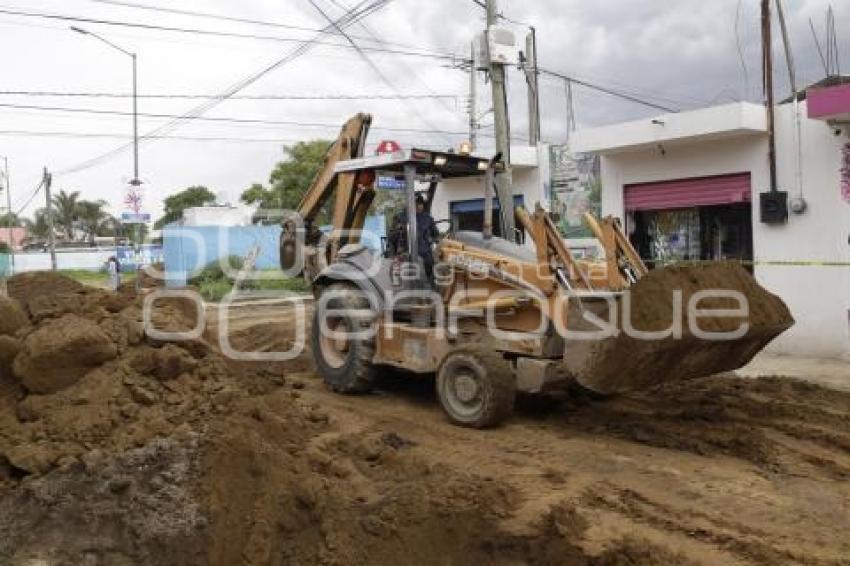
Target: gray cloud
x: 675, y: 52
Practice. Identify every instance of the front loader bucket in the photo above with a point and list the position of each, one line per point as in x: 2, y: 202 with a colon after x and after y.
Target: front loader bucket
x: 632, y: 360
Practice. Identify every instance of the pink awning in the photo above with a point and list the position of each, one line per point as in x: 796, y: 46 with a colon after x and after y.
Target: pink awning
x: 685, y: 193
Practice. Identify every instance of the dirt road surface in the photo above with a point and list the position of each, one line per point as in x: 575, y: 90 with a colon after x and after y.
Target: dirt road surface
x: 137, y: 450
x: 721, y: 470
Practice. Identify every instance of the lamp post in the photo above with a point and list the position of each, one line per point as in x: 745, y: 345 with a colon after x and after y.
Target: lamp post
x: 135, y: 180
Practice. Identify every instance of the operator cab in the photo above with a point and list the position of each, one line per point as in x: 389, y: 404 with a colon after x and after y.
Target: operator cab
x: 402, y: 171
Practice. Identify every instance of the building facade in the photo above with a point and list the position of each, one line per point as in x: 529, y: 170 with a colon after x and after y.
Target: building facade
x: 689, y: 186
x: 461, y: 200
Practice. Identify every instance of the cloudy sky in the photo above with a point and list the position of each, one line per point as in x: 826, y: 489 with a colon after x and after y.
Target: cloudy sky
x: 681, y: 54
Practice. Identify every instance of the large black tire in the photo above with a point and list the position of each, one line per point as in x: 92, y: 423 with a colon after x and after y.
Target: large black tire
x: 476, y: 388
x: 346, y: 369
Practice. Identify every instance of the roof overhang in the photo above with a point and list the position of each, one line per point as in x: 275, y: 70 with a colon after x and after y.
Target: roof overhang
x: 717, y: 122
x: 830, y: 103
x: 425, y: 162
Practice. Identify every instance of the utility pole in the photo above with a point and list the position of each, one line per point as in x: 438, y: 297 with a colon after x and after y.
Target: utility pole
x: 136, y: 182
x: 51, y: 239
x: 767, y: 71
x: 570, y: 108
x: 473, y: 103
x: 504, y: 180
x: 532, y: 76
x: 8, y: 186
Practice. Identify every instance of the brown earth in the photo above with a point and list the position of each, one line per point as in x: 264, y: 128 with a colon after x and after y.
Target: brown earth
x: 172, y: 454
x: 627, y: 362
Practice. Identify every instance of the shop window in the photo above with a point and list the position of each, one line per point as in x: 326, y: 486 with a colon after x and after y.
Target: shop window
x: 691, y: 234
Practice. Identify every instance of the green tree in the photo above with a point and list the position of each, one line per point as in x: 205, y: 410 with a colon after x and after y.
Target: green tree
x: 290, y: 178
x: 178, y: 202
x: 94, y: 218
x: 10, y: 220
x: 37, y: 226
x: 65, y: 205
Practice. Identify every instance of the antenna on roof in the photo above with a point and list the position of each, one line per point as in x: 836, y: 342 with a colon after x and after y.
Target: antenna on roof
x: 836, y: 60
x: 820, y: 49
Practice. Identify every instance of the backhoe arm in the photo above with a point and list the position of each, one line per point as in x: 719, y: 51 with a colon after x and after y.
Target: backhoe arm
x: 352, y: 200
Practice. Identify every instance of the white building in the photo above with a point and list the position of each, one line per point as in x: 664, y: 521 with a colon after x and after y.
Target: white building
x: 461, y: 200
x: 218, y: 215
x: 689, y: 185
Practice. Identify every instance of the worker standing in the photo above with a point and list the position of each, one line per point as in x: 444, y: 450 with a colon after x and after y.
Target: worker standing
x: 114, y: 270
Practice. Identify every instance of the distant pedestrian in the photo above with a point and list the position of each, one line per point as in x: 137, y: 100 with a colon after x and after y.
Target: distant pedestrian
x: 113, y: 267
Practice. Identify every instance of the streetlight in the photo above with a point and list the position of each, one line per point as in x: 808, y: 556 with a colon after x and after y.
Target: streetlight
x: 135, y: 180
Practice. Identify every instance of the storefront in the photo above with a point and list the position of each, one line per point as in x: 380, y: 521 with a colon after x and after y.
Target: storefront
x: 702, y: 218
x: 688, y: 186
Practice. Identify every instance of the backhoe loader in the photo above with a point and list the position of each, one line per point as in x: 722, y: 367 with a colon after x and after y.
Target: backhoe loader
x: 496, y: 317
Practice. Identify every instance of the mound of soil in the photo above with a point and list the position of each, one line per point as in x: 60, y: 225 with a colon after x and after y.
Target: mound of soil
x: 120, y: 448
x: 26, y: 287
x: 60, y: 352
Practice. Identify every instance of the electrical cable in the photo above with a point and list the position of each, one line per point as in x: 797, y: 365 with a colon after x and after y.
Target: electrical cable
x: 356, y: 13
x: 741, y: 50
x: 217, y: 118
x: 31, y: 197
x: 179, y: 96
x: 385, y: 79
x: 218, y: 33
x: 608, y: 91
x: 220, y: 17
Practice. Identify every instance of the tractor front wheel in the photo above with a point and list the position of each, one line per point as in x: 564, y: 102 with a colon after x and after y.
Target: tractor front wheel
x: 475, y: 388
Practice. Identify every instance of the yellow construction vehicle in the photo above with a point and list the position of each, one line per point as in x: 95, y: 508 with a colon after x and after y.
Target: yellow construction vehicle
x: 494, y: 317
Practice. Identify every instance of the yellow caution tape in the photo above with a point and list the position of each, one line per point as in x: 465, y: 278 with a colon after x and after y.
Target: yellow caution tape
x: 781, y: 263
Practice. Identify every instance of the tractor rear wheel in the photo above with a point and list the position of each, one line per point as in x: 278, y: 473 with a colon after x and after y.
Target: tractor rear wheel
x: 343, y: 339
x: 476, y: 388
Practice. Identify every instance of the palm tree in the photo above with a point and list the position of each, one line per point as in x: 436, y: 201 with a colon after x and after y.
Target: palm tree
x: 65, y: 205
x: 37, y: 226
x: 93, y: 218
x: 9, y: 220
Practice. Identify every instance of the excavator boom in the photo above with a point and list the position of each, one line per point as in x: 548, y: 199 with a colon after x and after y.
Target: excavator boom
x: 300, y: 236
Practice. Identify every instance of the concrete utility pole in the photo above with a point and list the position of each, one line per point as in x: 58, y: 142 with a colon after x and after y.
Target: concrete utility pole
x: 767, y: 70
x: 7, y: 185
x: 504, y: 181
x: 51, y: 238
x: 473, y: 103
x: 570, y: 108
x: 532, y: 76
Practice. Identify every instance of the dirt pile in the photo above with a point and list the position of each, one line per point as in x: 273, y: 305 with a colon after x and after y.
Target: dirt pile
x: 119, y: 448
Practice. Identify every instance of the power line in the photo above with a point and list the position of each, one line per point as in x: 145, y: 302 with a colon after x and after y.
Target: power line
x: 30, y: 199
x: 216, y: 118
x: 372, y: 65
x: 189, y: 96
x: 153, y: 27
x: 94, y: 135
x: 97, y: 135
x: 356, y: 13
x: 500, y: 15
x: 611, y: 92
x: 221, y: 17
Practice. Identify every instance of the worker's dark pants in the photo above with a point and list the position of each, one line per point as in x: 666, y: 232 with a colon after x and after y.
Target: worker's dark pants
x: 428, y: 264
